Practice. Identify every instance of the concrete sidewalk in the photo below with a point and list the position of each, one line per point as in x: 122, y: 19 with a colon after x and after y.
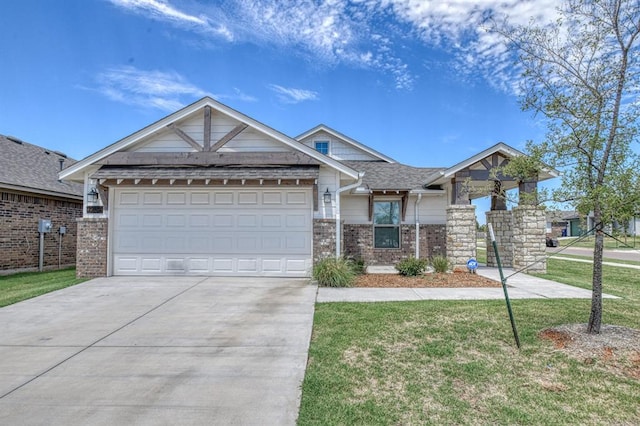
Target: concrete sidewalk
x: 520, y: 286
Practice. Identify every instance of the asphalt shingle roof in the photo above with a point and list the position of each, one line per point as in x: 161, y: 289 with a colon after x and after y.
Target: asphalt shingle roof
x: 137, y: 172
x: 32, y: 168
x: 380, y: 175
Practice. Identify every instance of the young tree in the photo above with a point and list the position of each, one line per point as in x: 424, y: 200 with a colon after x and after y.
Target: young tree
x: 582, y: 74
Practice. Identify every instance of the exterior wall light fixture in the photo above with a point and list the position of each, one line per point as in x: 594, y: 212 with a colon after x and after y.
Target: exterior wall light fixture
x: 326, y: 197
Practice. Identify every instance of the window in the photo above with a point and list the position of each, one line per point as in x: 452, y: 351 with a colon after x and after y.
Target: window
x: 322, y: 147
x: 386, y: 224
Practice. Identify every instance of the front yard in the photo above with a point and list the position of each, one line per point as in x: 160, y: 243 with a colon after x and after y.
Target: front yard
x: 456, y: 363
x: 18, y: 287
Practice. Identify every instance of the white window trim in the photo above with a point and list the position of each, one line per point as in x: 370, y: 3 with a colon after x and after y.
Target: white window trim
x: 328, y: 141
x: 399, y: 225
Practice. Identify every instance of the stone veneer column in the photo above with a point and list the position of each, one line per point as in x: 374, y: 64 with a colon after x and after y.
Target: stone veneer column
x: 91, y: 259
x: 461, y: 234
x: 529, y: 231
x: 502, y: 221
x: 324, y: 238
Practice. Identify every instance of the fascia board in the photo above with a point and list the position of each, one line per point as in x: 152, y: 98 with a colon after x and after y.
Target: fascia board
x: 26, y: 189
x: 132, y: 139
x: 501, y: 148
x: 347, y: 139
x: 185, y: 112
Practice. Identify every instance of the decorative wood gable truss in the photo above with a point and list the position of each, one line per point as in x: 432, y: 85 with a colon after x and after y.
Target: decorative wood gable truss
x: 207, y: 134
x: 206, y: 166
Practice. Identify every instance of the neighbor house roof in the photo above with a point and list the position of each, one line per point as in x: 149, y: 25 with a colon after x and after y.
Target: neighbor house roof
x: 31, y: 168
x: 379, y: 175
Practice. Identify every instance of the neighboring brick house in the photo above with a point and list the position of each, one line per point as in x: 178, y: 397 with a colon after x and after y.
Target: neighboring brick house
x: 30, y: 191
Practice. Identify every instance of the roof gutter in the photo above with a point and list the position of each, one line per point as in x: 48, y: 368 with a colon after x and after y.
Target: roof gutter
x: 338, y: 192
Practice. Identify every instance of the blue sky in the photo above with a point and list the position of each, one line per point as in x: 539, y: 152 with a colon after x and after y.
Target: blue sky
x: 420, y: 81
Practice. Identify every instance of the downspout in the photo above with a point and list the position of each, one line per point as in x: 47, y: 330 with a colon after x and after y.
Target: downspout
x: 417, y: 213
x: 338, y: 192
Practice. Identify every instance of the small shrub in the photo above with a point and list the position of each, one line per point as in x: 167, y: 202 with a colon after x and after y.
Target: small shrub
x: 358, y: 266
x: 440, y: 264
x: 332, y: 272
x: 411, y: 267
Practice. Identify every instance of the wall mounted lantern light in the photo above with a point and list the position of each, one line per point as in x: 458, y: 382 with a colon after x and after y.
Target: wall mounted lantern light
x: 92, y: 195
x: 327, y: 197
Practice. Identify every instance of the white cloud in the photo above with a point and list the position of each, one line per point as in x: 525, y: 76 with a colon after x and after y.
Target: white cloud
x: 459, y: 26
x: 359, y: 33
x: 164, y: 90
x: 153, y: 89
x: 162, y: 10
x: 291, y: 95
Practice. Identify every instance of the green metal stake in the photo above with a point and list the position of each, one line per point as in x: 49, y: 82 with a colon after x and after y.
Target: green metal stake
x: 504, y: 286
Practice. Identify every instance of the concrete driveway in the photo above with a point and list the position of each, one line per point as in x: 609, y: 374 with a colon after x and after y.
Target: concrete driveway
x: 168, y: 350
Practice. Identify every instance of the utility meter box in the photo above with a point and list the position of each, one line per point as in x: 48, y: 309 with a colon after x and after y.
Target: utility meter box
x: 44, y: 225
x: 63, y: 230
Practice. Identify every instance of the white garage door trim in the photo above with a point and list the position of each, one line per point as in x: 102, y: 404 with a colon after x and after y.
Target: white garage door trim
x: 241, y: 231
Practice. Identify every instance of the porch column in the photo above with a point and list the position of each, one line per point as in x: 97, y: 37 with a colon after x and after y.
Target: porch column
x: 461, y: 234
x: 91, y: 259
x: 502, y: 222
x: 529, y: 231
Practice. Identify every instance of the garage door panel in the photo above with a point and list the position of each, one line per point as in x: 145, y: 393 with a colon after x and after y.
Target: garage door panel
x: 151, y: 265
x: 262, y: 232
x: 223, y: 265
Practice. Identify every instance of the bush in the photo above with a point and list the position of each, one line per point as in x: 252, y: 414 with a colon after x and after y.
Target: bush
x: 332, y: 272
x: 440, y: 264
x: 358, y: 266
x: 411, y: 267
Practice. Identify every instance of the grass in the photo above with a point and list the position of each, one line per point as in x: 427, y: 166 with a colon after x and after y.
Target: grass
x: 18, y: 287
x: 609, y: 243
x: 576, y: 256
x: 455, y: 362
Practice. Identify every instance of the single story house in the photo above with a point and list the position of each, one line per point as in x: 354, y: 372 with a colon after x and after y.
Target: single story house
x: 30, y: 191
x: 208, y: 190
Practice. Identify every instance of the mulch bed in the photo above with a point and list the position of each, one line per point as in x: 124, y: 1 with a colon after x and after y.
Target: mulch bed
x: 453, y: 280
x: 617, y: 348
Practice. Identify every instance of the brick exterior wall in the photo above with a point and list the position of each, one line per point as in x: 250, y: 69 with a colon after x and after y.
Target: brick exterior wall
x: 324, y: 238
x: 92, y: 247
x: 358, y: 243
x: 19, y: 237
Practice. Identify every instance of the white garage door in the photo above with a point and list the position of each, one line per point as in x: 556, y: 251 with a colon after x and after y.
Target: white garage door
x: 236, y: 231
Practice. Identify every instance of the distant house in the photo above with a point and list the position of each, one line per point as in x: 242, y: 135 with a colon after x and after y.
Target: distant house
x: 30, y: 191
x: 563, y: 223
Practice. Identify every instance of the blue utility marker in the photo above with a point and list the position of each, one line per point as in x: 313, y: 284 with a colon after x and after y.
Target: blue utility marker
x: 472, y: 264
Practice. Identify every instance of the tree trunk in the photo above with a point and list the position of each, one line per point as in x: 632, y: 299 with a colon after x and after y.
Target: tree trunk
x: 595, y: 319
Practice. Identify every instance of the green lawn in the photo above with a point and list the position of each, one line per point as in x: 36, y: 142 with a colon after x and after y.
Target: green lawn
x: 455, y: 362
x: 609, y: 243
x: 18, y: 287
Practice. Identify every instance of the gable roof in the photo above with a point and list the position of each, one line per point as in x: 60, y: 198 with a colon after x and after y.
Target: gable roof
x: 345, y: 138
x: 379, y: 175
x: 75, y: 172
x: 31, y: 168
x: 444, y: 175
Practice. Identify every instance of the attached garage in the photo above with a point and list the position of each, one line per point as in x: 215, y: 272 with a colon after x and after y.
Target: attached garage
x: 207, y: 191
x: 221, y: 231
